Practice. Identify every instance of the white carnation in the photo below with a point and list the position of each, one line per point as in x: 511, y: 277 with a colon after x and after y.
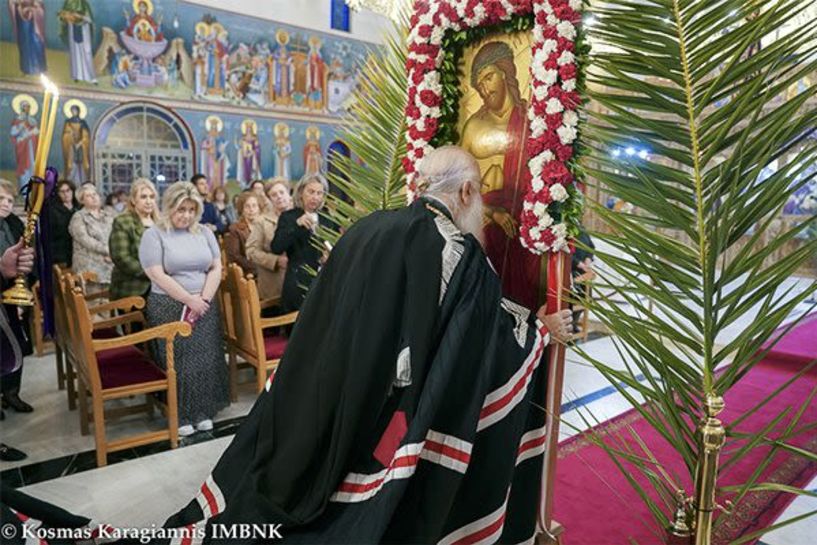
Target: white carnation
x: 539, y: 208
x: 566, y: 58
x: 552, y: 19
x: 540, y: 92
x: 558, y: 192
x: 569, y: 84
x: 570, y: 118
x: 527, y: 205
x: 565, y: 29
x: 576, y: 5
x: 536, y: 165
x: 538, y: 127
x: 421, y: 124
x: 437, y: 35
x: 554, y: 106
x: 548, y: 47
x: 479, y: 13
x: 538, y: 34
x: 550, y: 77
x: 535, y: 233
x: 559, y: 230
x: 566, y: 134
x: 537, y: 184
x: 545, y: 221
x: 426, y: 19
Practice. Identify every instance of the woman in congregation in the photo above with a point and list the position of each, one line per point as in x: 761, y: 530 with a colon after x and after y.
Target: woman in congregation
x: 60, y: 212
x: 295, y: 237
x: 128, y: 278
x: 90, y: 230
x: 183, y: 261
x: 11, y: 230
x: 259, y: 188
x: 224, y: 209
x: 235, y: 242
x: 270, y: 267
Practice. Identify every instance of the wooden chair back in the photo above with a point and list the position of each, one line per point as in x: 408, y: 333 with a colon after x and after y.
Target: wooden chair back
x: 245, y: 332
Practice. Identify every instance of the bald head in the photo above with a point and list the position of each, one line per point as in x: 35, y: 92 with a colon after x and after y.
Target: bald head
x: 444, y: 171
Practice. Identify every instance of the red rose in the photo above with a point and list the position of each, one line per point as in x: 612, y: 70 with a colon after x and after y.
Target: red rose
x: 431, y: 127
x: 567, y: 71
x: 430, y: 98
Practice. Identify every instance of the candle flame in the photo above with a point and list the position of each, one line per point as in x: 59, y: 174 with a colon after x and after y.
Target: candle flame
x: 49, y: 85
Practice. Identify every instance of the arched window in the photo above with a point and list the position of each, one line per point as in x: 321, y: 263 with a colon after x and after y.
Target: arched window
x: 142, y: 139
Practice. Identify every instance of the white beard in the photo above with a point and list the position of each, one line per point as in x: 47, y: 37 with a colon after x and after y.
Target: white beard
x: 470, y: 221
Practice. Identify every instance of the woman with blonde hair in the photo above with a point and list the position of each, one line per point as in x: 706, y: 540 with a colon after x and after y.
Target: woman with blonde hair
x: 183, y: 261
x: 270, y: 267
x: 128, y: 278
x: 90, y: 230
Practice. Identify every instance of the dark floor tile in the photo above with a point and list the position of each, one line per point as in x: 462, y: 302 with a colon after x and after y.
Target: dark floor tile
x: 12, y: 477
x: 45, y: 471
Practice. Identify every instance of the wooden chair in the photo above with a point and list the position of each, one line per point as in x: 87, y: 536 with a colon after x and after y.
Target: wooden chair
x: 37, y: 326
x: 249, y: 335
x: 116, y: 368
x: 65, y: 282
x: 586, y: 279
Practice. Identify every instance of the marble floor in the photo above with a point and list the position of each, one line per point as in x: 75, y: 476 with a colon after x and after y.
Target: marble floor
x: 156, y: 481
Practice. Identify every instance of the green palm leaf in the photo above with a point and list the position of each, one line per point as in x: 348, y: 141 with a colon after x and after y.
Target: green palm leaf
x: 676, y: 77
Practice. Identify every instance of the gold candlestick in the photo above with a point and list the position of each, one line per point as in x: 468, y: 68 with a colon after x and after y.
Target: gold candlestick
x: 19, y: 294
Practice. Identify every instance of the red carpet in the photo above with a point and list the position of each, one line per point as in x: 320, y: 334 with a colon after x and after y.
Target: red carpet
x: 597, y: 506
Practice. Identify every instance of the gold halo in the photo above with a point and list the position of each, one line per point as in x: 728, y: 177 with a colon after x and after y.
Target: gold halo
x: 249, y: 123
x: 282, y: 36
x: 22, y: 97
x: 315, y: 41
x: 313, y: 133
x: 136, y: 6
x: 218, y: 27
x: 83, y: 110
x: 209, y: 121
x: 202, y: 28
x: 281, y: 130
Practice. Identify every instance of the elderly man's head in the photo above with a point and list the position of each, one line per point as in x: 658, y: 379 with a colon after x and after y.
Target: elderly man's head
x: 451, y: 174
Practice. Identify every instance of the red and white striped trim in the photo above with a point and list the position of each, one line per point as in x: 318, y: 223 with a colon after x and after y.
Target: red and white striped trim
x: 210, y: 498
x: 532, y: 444
x: 499, y: 403
x: 446, y: 450
x: 484, y: 531
x: 32, y: 524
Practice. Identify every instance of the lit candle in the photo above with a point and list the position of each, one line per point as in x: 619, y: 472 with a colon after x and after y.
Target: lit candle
x: 44, y: 144
x: 38, y: 169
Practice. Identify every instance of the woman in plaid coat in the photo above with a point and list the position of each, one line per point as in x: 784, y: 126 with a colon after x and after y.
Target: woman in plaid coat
x: 128, y: 278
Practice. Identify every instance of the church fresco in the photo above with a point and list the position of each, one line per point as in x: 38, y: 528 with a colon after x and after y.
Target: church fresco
x: 175, y: 50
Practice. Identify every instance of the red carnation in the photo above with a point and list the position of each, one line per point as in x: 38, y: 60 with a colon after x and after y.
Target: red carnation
x: 564, y: 13
x: 555, y: 172
x: 539, y: 107
x: 412, y: 112
x: 523, y: 6
x: 417, y: 77
x: 571, y: 100
x: 553, y: 121
x: 567, y: 71
x: 549, y: 32
x: 548, y: 237
x: 494, y: 11
x: 424, y: 31
x: 418, y: 153
x: 563, y: 44
x: 408, y: 166
x: 421, y: 7
x: 563, y: 153
x: 449, y: 11
x: 552, y: 63
x: 430, y: 98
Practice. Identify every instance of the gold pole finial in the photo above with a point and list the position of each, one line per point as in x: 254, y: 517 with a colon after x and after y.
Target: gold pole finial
x: 713, y: 435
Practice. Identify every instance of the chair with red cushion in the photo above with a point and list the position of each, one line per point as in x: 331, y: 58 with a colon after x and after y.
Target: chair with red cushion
x: 65, y: 281
x: 116, y: 368
x: 249, y: 335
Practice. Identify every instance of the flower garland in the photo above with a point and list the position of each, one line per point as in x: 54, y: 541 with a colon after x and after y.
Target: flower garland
x: 551, y: 205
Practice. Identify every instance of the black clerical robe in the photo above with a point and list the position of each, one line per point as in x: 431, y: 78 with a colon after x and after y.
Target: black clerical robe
x: 407, y: 407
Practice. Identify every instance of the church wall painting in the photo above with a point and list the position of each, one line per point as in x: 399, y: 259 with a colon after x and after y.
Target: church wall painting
x: 167, y: 49
x: 278, y: 146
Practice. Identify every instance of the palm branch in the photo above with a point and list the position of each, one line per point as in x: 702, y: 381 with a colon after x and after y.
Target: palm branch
x: 373, y: 177
x: 685, y: 80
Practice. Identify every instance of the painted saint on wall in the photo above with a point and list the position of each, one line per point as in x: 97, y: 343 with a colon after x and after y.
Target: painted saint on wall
x: 316, y: 76
x: 495, y: 131
x: 283, y: 151
x: 28, y: 26
x: 282, y: 68
x: 76, y: 142
x: 24, y: 135
x: 76, y: 30
x: 214, y: 161
x: 313, y: 159
x: 249, y: 154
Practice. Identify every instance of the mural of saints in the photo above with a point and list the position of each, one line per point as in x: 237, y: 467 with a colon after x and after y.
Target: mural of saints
x: 76, y: 30
x: 316, y: 76
x: 282, y: 68
x: 217, y: 53
x: 496, y: 134
x: 24, y: 135
x: 283, y: 151
x: 313, y: 159
x: 249, y: 154
x: 214, y: 161
x: 28, y: 25
x: 76, y: 142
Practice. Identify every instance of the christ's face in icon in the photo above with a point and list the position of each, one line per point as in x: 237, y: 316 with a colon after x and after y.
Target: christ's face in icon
x: 491, y: 87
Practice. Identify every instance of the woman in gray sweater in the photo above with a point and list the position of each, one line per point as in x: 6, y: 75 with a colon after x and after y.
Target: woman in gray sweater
x: 183, y: 261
